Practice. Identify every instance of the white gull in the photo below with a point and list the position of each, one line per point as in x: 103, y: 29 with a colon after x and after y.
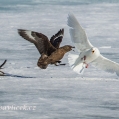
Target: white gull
x: 88, y: 53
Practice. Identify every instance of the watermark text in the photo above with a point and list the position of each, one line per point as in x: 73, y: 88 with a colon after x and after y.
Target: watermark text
x: 13, y: 107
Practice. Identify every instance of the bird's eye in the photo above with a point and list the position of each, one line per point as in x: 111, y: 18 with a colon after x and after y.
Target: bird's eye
x: 93, y: 51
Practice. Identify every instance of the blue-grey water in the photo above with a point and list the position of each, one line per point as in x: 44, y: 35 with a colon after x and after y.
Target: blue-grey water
x: 57, y: 92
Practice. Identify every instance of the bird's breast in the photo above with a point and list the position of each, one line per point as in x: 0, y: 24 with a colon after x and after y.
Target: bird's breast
x: 91, y: 56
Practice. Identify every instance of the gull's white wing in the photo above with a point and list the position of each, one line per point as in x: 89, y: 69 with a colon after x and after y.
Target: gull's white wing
x: 78, y: 35
x: 106, y: 65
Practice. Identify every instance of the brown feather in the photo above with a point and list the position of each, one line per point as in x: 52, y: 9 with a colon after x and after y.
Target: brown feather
x: 40, y: 41
x: 54, y: 57
x: 57, y: 38
x: 49, y: 53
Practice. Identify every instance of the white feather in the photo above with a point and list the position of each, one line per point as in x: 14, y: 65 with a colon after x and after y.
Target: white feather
x: 72, y: 58
x: 28, y: 33
x: 106, y: 65
x: 79, y: 68
x: 78, y: 35
x: 92, y: 55
x: 75, y: 64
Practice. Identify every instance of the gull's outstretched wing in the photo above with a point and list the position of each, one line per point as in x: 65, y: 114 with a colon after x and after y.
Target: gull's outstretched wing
x: 78, y: 35
x: 40, y: 41
x: 106, y: 65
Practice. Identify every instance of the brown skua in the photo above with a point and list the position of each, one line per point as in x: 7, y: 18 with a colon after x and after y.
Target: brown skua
x: 49, y: 49
x: 57, y: 55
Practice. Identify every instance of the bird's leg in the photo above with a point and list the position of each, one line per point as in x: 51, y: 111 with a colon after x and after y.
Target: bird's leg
x: 84, y: 58
x: 86, y: 65
x: 60, y: 62
x: 56, y: 64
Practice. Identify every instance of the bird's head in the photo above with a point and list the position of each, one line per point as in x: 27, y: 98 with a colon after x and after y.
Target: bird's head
x: 68, y: 48
x: 94, y: 50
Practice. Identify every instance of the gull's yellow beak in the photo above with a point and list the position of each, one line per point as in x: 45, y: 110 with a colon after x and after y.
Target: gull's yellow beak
x: 93, y: 51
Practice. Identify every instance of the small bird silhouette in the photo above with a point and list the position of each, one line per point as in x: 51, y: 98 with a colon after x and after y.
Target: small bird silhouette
x: 1, y: 72
x: 45, y: 46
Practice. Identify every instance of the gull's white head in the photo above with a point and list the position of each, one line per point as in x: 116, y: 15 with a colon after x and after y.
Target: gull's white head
x: 95, y: 52
x: 92, y: 54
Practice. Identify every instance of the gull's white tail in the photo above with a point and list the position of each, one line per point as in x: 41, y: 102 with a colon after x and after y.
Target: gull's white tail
x: 75, y: 63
